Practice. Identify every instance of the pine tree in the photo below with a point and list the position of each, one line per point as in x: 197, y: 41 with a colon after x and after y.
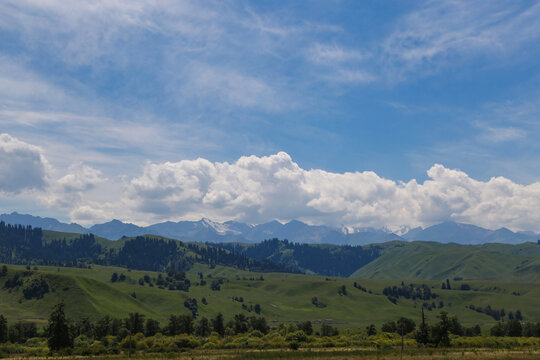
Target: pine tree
x: 58, y: 329
x: 442, y: 329
x: 218, y: 325
x: 422, y: 335
x: 135, y: 323
x: 203, y: 328
x: 3, y: 329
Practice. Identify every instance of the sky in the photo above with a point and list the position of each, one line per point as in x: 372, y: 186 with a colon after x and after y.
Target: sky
x: 344, y: 113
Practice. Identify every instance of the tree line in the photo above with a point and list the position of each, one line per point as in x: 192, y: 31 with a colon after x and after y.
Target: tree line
x: 324, y: 260
x: 64, y: 334
x: 24, y: 245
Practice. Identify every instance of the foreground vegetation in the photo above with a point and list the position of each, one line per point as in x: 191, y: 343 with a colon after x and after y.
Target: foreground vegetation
x: 137, y: 335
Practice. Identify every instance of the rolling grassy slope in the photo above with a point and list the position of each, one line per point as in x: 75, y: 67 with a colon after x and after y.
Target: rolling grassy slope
x: 50, y: 235
x: 430, y: 260
x: 283, y: 297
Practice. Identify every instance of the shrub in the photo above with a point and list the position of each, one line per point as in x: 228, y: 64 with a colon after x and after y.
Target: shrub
x: 294, y: 345
x: 297, y: 336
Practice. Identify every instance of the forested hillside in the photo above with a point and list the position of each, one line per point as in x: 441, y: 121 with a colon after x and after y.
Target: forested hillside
x: 391, y: 260
x: 331, y: 260
x: 27, y: 245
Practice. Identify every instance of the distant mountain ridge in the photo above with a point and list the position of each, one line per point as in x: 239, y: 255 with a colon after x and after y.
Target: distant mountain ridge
x: 206, y: 230
x: 45, y: 223
x: 448, y: 232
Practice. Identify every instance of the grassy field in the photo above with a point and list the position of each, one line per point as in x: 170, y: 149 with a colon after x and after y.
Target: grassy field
x: 430, y: 260
x: 282, y: 297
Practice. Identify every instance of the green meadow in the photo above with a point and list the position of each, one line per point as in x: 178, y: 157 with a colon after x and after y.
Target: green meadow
x: 283, y: 298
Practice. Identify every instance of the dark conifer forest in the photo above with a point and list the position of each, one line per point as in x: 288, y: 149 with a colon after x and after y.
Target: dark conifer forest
x: 25, y: 245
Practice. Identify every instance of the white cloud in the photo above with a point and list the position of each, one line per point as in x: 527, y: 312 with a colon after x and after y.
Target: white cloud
x: 229, y: 87
x: 67, y: 191
x: 503, y: 134
x: 83, y: 33
x: 18, y: 86
x: 441, y: 33
x: 331, y: 53
x: 258, y: 189
x: 22, y: 166
x: 350, y: 76
x: 80, y: 178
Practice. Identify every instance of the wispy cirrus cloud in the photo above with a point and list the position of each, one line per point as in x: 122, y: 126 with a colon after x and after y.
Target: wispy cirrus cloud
x: 433, y: 37
x: 440, y: 35
x: 333, y: 53
x: 502, y: 134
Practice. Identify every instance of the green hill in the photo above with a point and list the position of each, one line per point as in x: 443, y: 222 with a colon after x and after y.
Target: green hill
x: 402, y: 260
x: 430, y: 260
x: 282, y: 297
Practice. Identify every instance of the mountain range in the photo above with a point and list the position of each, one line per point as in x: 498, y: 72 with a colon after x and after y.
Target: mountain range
x: 206, y: 230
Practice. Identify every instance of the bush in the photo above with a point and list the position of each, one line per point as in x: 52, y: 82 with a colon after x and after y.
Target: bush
x: 186, y: 342
x: 97, y: 348
x: 210, y: 345
x: 35, y: 288
x: 294, y: 345
x: 297, y: 336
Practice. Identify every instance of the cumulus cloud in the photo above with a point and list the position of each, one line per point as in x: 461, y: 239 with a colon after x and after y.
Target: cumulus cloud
x: 257, y: 189
x: 68, y: 191
x: 22, y: 166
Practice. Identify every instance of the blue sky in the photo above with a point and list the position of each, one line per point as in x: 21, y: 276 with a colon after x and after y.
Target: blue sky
x: 106, y: 89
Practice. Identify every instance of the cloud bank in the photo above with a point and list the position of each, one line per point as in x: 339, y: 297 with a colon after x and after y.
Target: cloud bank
x: 259, y: 189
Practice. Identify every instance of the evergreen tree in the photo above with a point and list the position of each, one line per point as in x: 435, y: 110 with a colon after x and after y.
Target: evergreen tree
x: 218, y: 324
x: 306, y: 327
x: 422, y: 335
x: 203, y: 327
x: 84, y: 327
x: 151, y: 328
x: 513, y: 328
x: 135, y: 323
x: 103, y: 327
x: 405, y: 325
x: 328, y: 330
x: 441, y: 330
x: 371, y: 330
x: 259, y: 323
x: 58, y: 330
x: 389, y: 327
x: 497, y: 329
x: 3, y: 329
